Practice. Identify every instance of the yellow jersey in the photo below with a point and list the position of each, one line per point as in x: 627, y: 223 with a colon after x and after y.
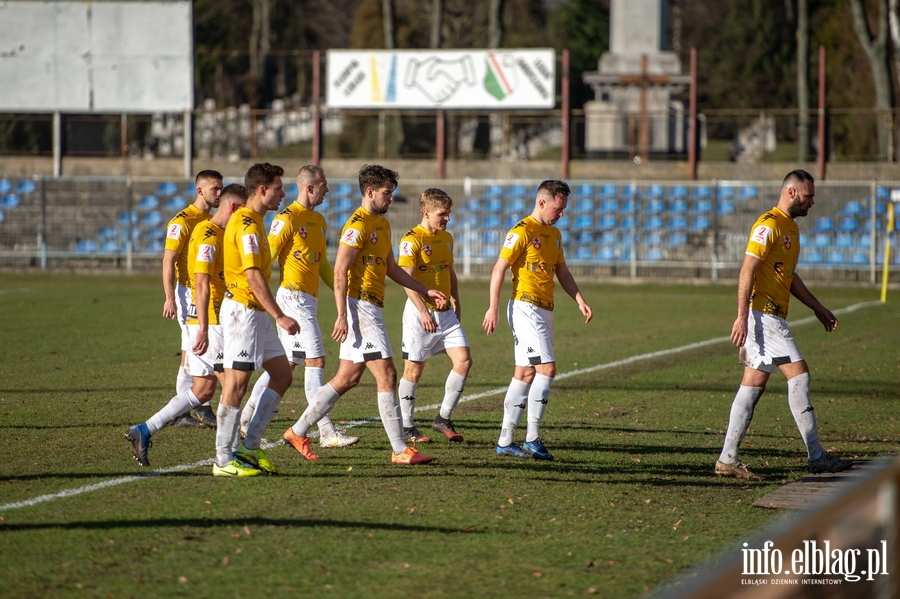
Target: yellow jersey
x: 431, y: 257
x: 533, y: 250
x: 371, y: 235
x: 297, y: 239
x: 245, y: 246
x: 178, y: 234
x: 205, y: 256
x: 774, y: 239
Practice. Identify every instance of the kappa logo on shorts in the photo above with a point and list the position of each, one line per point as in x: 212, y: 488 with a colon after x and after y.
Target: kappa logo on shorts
x: 529, y: 351
x: 369, y: 345
x: 243, y: 354
x: 296, y: 345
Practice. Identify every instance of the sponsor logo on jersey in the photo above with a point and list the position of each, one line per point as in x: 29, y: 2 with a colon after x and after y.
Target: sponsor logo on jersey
x: 427, y: 249
x: 787, y: 242
x: 511, y: 240
x: 303, y: 232
x: 247, y: 221
x: 277, y: 226
x: 423, y: 268
x: 372, y: 260
x: 540, y: 267
x: 536, y: 242
x: 206, y: 253
x: 778, y: 267
x: 761, y: 234
x: 174, y: 231
x: 373, y: 238
x: 350, y: 237
x: 250, y: 243
x: 208, y: 232
x: 406, y: 248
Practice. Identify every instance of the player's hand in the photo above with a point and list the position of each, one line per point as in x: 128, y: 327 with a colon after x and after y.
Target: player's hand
x: 201, y: 344
x: 341, y: 329
x: 490, y: 321
x: 169, y: 309
x: 739, y: 331
x: 439, y: 299
x: 288, y: 324
x: 828, y: 319
x: 586, y: 310
x: 427, y: 321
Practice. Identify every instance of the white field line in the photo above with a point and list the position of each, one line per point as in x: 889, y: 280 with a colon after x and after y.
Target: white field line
x: 19, y: 290
x: 491, y: 392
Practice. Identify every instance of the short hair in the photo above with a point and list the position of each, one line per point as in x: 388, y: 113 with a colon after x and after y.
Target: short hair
x: 433, y: 198
x: 261, y: 173
x: 235, y: 190
x: 376, y: 177
x: 554, y: 187
x: 797, y: 176
x: 309, y: 173
x: 208, y: 174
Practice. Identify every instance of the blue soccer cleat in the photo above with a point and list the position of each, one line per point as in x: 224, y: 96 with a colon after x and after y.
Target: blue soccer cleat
x: 511, y: 450
x: 139, y: 437
x: 537, y: 450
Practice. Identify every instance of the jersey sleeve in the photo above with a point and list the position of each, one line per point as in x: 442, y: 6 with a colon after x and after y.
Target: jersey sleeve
x: 761, y: 239
x: 280, y: 233
x: 250, y: 247
x: 176, y: 235
x: 514, y: 244
x: 354, y: 235
x: 205, y: 260
x: 409, y: 249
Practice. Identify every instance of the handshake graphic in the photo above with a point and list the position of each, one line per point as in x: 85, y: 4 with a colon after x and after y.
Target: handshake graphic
x: 439, y: 79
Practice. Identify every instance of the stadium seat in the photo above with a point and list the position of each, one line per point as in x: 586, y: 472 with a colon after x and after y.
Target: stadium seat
x: 748, y: 192
x: 864, y: 241
x: 148, y: 203
x: 343, y: 190
x: 154, y: 219
x: 653, y: 254
x: 627, y: 192
x: 585, y: 190
x: 25, y: 186
x: 824, y: 224
x: 511, y: 221
x: 701, y: 191
x: 517, y: 192
x: 609, y: 238
x: 491, y: 221
x: 859, y: 258
x: 653, y: 239
x: 677, y: 222
x: 85, y: 246
x: 628, y: 222
x: 516, y: 205
x: 804, y: 240
x: 167, y: 188
x: 606, y: 254
x: 564, y: 222
x: 627, y: 207
x: 107, y: 232
x: 344, y: 205
x: 676, y: 239
x: 836, y: 257
x: 654, y: 222
x: 847, y: 225
x: 584, y: 205
x: 154, y: 233
x: 725, y: 192
x: 609, y: 205
x: 583, y: 253
x: 154, y: 247
x: 725, y: 207
x: 654, y: 206
x: 811, y: 257
x: 9, y: 201
x: 701, y: 223
x: 851, y: 208
x: 677, y: 207
x: 174, y: 204
x: 882, y: 193
x: 472, y: 205
x: 493, y: 206
x: 844, y: 240
x: 584, y: 222
x: 566, y: 237
x: 607, y: 221
x: 821, y: 240
x: 654, y: 191
x: 609, y: 191
x: 626, y: 239
x: 108, y: 247
x: 190, y: 190
x: 678, y: 192
x: 290, y: 192
x: 585, y: 238
x: 702, y: 207
x: 493, y: 191
x: 5, y: 186
x: 126, y: 218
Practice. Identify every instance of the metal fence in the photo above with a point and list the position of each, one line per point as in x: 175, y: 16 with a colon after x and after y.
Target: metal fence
x: 610, y: 229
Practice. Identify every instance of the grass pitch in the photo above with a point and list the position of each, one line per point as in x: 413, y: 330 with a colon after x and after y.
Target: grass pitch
x: 629, y: 502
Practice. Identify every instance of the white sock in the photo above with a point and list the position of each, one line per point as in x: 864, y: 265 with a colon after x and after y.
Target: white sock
x: 407, y: 392
x: 312, y: 381
x: 320, y: 405
x: 804, y: 414
x: 537, y: 404
x: 513, y: 406
x: 742, y: 407
x: 453, y: 389
x: 389, y: 408
x: 178, y: 405
x: 183, y: 382
x: 266, y: 409
x: 262, y: 383
x: 226, y: 431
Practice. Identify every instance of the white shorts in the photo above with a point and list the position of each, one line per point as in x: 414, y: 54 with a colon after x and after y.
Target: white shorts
x: 250, y: 337
x: 367, y: 337
x: 303, y: 308
x: 769, y: 343
x: 419, y: 345
x: 532, y: 329
x: 210, y: 362
x: 184, y: 302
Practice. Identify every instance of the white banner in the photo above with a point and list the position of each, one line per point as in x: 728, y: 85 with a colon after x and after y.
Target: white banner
x: 429, y: 79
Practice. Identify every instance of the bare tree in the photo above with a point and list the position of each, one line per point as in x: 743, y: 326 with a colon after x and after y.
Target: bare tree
x: 495, y: 24
x: 436, y: 12
x: 802, y: 80
x: 260, y: 40
x: 876, y: 50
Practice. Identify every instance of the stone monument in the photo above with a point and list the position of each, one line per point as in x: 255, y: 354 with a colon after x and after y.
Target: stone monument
x: 637, y: 87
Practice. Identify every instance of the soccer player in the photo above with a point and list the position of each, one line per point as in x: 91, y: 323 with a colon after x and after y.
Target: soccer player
x: 533, y: 250
x: 251, y: 342
x: 426, y: 253
x: 177, y: 282
x: 297, y: 239
x: 364, y: 258
x: 204, y: 361
x: 766, y: 282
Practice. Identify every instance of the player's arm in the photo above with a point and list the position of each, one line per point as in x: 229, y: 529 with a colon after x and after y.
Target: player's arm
x: 201, y: 303
x: 825, y: 316
x: 326, y: 273
x: 168, y: 277
x: 257, y: 281
x: 346, y: 256
x: 567, y: 281
x: 454, y: 293
x: 492, y: 316
x: 745, y: 286
x: 425, y: 316
x: 401, y: 277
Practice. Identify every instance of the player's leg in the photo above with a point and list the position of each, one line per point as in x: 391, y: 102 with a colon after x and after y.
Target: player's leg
x: 461, y: 360
x: 753, y: 383
x: 538, y: 397
x: 406, y: 390
x: 389, y: 408
x: 514, y: 404
x: 329, y: 436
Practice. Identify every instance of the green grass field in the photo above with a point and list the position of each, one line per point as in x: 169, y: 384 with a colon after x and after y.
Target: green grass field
x: 629, y: 502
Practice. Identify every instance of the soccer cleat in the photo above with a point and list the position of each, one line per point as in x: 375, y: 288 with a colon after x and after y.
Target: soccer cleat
x: 828, y: 463
x: 205, y: 417
x: 537, y: 450
x: 235, y: 469
x: 299, y: 443
x: 736, y: 470
x: 337, y: 439
x: 256, y: 458
x: 185, y: 421
x: 512, y: 449
x: 139, y: 437
x: 413, y: 435
x: 445, y: 426
x: 409, y: 456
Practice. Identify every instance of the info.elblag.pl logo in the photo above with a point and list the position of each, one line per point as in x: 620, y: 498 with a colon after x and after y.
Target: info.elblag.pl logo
x: 814, y: 559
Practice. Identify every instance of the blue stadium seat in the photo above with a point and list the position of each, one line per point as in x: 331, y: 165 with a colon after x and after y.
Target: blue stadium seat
x: 882, y: 193
x: 702, y: 207
x: 511, y: 221
x: 156, y: 246
x: 174, y: 204
x: 108, y: 247
x: 677, y: 207
x: 609, y: 191
x: 583, y: 253
x: 609, y: 205
x: 859, y: 257
x: 343, y: 190
x: 25, y: 186
x: 584, y: 222
x: 654, y: 191
x: 847, y: 225
x: 85, y: 246
x: 821, y: 240
x: 584, y: 205
x: 517, y: 191
x: 125, y: 216
x: 851, y: 208
x: 5, y: 186
x: 653, y: 239
x: 864, y: 241
x: 836, y: 257
x: 491, y: 221
x: 678, y: 192
x: 190, y: 190
x: 606, y: 254
x: 154, y: 233
x: 811, y: 257
x: 824, y: 224
x: 627, y: 192
x: 585, y: 238
x: 584, y: 190
x: 564, y: 222
x: 628, y: 222
x: 676, y: 239
x: 154, y: 219
x: 10, y: 201
x: 472, y: 205
x: 168, y: 188
x: 493, y: 206
x: 725, y: 192
x: 748, y: 192
x: 493, y: 191
x: 516, y: 205
x: 609, y: 238
x: 654, y: 206
x: 677, y: 222
x: 652, y: 254
x: 701, y: 191
x: 701, y: 223
x: 107, y: 232
x: 626, y: 239
x: 725, y: 207
x: 844, y: 240
x: 566, y: 237
x: 148, y: 203
x: 654, y: 222
x: 607, y: 221
x: 627, y: 206
x: 804, y: 240
x: 344, y: 205
x: 881, y: 208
